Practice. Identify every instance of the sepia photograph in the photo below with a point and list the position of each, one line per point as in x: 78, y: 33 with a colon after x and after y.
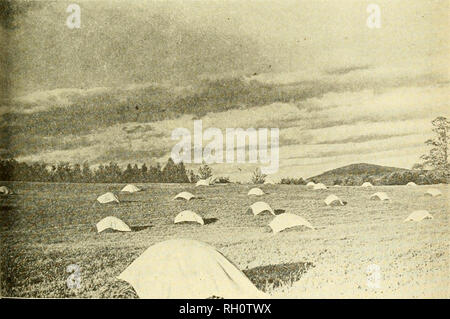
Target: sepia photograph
x: 224, y: 149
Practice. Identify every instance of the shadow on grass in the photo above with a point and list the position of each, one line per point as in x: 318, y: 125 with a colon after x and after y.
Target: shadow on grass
x: 139, y: 227
x: 263, y: 213
x: 113, y: 231
x: 196, y: 198
x: 273, y: 276
x: 209, y: 220
x: 118, y: 289
x: 189, y: 223
x: 7, y: 215
x: 124, y: 201
x: 7, y: 208
x: 279, y: 211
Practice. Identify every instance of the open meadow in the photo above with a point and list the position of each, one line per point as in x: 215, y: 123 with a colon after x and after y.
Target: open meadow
x: 45, y: 227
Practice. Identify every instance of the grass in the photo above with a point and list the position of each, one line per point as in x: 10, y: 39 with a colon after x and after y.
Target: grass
x: 270, y: 277
x: 46, y: 227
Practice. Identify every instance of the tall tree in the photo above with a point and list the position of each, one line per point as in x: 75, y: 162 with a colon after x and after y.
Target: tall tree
x: 154, y: 174
x: 76, y: 173
x: 181, y: 176
x: 437, y: 157
x: 86, y: 172
x: 169, y: 171
x: 144, y: 170
x: 127, y: 174
x: 192, y: 177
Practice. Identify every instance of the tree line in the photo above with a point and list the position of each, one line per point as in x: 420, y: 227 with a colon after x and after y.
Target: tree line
x: 420, y: 177
x: 12, y: 170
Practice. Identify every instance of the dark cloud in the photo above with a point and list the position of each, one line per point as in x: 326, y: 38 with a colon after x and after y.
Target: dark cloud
x: 116, y: 45
x: 24, y: 144
x: 363, y: 138
x: 345, y: 70
x: 120, y: 154
x: 12, y: 11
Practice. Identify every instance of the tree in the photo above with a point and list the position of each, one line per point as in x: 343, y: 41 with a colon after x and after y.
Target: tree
x: 144, y: 171
x: 113, y: 173
x: 86, y: 172
x: 63, y: 172
x: 76, y: 173
x: 293, y: 181
x: 258, y: 177
x: 204, y: 171
x: 349, y: 181
x: 192, y: 177
x: 127, y: 174
x: 169, y: 171
x: 136, y: 173
x: 181, y: 174
x: 154, y: 175
x: 371, y: 179
x: 100, y: 174
x: 437, y: 158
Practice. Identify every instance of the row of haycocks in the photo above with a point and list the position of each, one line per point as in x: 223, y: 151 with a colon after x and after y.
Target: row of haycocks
x: 418, y: 215
x: 280, y: 222
x: 333, y: 200
x: 164, y: 270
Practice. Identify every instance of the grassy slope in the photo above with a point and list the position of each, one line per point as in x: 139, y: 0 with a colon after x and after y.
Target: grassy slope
x: 46, y: 227
x: 355, y: 170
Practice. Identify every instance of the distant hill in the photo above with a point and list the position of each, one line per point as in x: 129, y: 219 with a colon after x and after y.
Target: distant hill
x: 357, y: 171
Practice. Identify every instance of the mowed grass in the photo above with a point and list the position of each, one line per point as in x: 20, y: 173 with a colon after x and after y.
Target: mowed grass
x: 46, y: 227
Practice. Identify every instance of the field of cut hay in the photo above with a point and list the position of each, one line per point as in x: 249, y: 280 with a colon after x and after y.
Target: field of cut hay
x: 46, y: 227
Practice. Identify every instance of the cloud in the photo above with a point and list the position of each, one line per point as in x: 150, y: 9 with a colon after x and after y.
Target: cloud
x: 314, y: 152
x: 345, y: 70
x: 337, y: 127
x: 356, y: 77
x: 57, y: 96
x: 340, y: 133
x: 146, y: 42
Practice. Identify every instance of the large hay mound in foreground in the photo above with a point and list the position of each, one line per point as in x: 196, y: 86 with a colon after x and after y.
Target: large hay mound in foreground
x: 184, y: 268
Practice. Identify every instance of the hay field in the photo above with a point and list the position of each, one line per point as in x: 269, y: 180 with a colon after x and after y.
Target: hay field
x: 46, y: 227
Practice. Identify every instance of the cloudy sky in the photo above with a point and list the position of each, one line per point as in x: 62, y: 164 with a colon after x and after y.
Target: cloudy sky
x: 115, y: 89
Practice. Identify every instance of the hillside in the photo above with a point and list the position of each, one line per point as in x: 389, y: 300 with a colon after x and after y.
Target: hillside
x: 357, y: 171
